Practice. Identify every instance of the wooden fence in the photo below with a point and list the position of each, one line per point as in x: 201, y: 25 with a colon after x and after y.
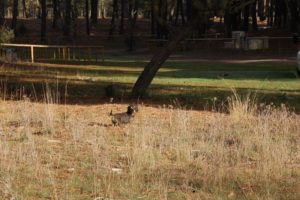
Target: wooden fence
x: 36, y: 53
x: 276, y: 46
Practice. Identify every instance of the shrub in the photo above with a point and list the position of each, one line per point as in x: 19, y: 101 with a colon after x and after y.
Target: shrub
x: 6, y: 34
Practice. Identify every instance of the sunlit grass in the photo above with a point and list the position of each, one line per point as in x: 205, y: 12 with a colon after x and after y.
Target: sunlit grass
x: 180, y: 79
x: 50, y: 151
x: 179, y: 73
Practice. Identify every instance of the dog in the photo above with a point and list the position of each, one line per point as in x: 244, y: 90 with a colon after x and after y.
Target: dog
x: 124, y: 118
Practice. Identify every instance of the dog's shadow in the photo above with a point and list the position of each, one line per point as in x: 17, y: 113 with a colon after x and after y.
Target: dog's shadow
x: 100, y: 124
x: 119, y: 118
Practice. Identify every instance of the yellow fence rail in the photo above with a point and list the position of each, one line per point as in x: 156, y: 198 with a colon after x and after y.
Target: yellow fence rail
x: 35, y: 53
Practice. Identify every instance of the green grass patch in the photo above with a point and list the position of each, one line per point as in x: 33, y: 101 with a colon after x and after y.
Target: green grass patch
x: 193, y: 82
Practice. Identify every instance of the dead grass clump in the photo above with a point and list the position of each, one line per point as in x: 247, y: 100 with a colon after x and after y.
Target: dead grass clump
x: 249, y: 153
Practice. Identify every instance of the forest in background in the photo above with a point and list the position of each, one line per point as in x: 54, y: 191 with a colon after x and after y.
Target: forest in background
x: 164, y: 16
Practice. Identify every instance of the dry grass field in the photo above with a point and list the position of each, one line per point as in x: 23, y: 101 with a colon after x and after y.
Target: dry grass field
x: 55, y: 151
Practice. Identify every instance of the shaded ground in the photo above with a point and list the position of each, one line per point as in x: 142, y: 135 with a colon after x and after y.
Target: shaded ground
x: 196, y: 83
x: 198, y: 75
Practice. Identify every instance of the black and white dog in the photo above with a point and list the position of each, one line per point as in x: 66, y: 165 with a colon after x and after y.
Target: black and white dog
x: 124, y: 118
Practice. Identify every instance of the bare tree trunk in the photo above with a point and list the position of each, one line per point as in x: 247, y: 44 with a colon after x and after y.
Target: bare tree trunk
x: 235, y: 20
x: 43, y: 20
x: 171, y: 11
x: 67, y: 20
x: 94, y: 11
x: 39, y: 12
x: 102, y: 10
x: 261, y: 10
x: 228, y: 24
x: 112, y: 23
x: 277, y: 14
x: 122, y: 17
x: 158, y: 18
x: 253, y: 15
x: 268, y: 11
x: 74, y: 17
x: 280, y: 13
x: 165, y: 19
x: 284, y: 12
x: 117, y: 10
x: 182, y: 12
x: 133, y: 12
x: 15, y: 15
x: 176, y: 13
x: 158, y: 60
x: 271, y: 14
x: 179, y: 9
x: 294, y: 15
x: 189, y: 13
x: 87, y: 18
x: 246, y: 18
x: 152, y: 18
x: 24, y: 8
x: 55, y: 13
x: 2, y: 12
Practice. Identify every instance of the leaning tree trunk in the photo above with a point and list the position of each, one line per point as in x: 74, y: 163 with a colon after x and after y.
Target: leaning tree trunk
x: 87, y: 18
x: 158, y: 60
x: 43, y: 20
x: 15, y: 15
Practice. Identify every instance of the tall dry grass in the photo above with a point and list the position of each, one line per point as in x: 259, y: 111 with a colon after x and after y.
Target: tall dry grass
x: 51, y: 151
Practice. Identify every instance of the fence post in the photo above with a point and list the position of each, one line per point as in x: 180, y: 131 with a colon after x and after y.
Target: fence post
x: 89, y: 54
x: 69, y: 55
x: 32, y: 53
x: 96, y: 52
x: 279, y: 47
x: 102, y: 54
x: 64, y: 54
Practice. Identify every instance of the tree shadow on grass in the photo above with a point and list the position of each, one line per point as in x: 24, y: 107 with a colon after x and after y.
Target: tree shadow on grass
x: 131, y: 71
x: 87, y: 93
x: 231, y: 75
